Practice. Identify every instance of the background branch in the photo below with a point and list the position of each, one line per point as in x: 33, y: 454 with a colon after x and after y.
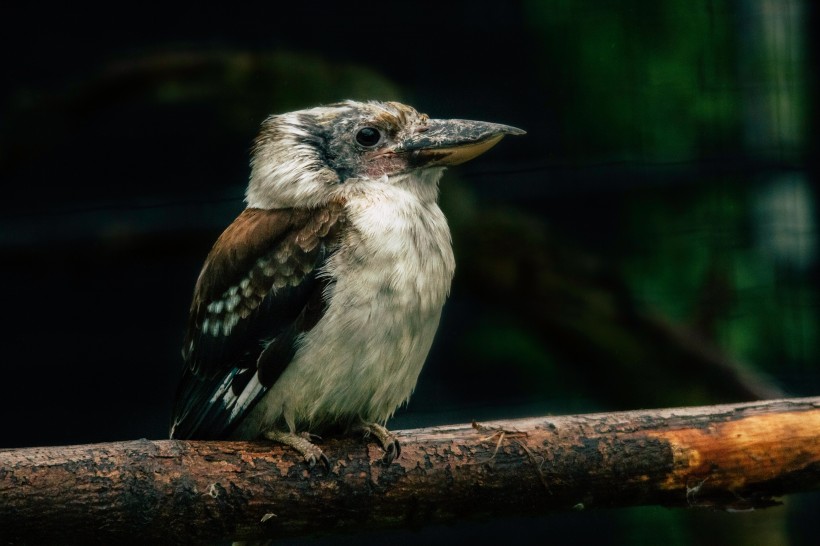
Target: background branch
x: 728, y: 456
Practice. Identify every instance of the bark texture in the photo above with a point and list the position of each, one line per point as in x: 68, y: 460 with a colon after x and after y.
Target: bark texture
x: 174, y: 492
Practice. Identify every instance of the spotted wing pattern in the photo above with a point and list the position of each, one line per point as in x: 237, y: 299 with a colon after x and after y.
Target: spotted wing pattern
x: 260, y: 288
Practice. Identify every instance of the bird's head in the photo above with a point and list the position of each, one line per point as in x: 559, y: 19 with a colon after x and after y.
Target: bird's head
x: 301, y: 158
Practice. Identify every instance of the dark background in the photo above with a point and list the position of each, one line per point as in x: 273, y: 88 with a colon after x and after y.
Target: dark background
x: 664, y: 201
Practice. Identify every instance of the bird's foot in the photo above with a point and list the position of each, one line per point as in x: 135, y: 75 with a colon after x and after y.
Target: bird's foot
x: 388, y: 442
x: 302, y: 444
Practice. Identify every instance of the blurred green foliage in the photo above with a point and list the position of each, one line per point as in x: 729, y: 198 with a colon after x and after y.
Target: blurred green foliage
x: 687, y: 81
x: 639, y: 80
x: 694, y: 257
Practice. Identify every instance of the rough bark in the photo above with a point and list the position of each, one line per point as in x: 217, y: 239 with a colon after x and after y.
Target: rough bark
x: 730, y: 456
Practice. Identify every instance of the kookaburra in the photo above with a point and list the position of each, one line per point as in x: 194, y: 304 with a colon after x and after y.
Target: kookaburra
x: 318, y: 304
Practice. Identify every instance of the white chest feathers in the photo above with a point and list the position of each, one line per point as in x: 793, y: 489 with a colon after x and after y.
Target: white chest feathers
x: 392, y: 275
x: 398, y: 251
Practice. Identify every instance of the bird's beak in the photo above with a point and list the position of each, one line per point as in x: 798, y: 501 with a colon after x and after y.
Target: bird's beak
x: 443, y: 142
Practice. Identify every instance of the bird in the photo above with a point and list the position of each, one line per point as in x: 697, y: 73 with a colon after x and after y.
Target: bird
x: 317, y: 306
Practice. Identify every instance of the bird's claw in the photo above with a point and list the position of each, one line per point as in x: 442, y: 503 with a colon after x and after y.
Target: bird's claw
x: 316, y: 455
x: 391, y: 451
x: 388, y: 442
x: 325, y: 462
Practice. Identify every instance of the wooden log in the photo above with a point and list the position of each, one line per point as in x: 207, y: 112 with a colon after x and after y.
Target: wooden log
x: 179, y: 492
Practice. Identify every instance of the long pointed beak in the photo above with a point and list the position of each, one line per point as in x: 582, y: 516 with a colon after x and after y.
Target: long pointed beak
x: 446, y: 142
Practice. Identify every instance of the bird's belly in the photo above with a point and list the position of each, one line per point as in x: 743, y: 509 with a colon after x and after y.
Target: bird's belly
x: 362, y: 359
x: 368, y: 369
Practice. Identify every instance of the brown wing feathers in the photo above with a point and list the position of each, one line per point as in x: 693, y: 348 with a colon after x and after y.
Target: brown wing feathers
x: 262, y: 253
x: 257, y: 291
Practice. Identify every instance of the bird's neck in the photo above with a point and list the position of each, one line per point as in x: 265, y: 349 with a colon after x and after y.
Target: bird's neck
x: 397, y: 244
x: 423, y: 184
x: 416, y: 186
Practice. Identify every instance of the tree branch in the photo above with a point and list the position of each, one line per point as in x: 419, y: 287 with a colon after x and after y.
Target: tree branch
x: 730, y: 456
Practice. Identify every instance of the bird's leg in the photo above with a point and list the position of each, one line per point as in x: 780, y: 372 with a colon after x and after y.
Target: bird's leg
x: 301, y: 443
x: 388, y: 442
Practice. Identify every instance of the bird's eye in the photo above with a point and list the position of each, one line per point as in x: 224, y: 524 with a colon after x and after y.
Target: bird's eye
x: 368, y: 137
